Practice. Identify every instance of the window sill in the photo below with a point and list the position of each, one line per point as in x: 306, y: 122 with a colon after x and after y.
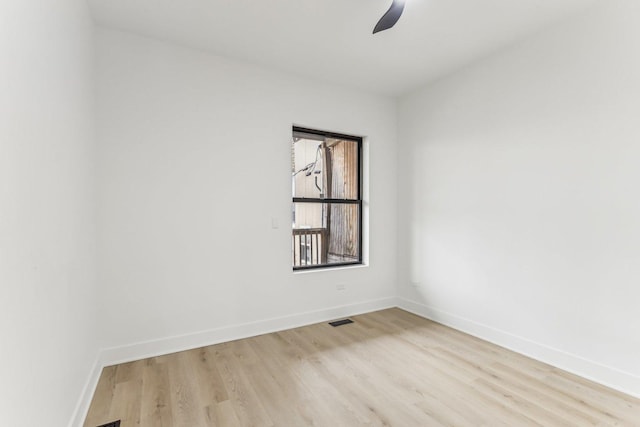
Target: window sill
x: 336, y: 268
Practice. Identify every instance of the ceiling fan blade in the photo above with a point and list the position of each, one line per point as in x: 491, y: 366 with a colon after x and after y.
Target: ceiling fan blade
x: 390, y: 18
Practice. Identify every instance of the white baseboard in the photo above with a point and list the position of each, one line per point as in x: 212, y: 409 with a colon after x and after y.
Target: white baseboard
x: 143, y: 350
x: 82, y: 407
x: 146, y: 349
x: 594, y: 371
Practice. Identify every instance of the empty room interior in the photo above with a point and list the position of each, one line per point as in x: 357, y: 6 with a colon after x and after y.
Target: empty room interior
x: 192, y: 192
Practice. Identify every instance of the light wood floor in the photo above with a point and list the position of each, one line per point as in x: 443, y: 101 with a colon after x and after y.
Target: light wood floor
x: 389, y: 368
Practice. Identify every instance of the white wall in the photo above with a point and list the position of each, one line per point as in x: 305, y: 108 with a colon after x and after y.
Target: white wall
x: 194, y: 164
x: 520, y: 192
x: 47, y: 275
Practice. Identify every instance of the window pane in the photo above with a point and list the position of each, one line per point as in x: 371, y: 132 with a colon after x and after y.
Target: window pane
x: 324, y: 167
x: 325, y: 234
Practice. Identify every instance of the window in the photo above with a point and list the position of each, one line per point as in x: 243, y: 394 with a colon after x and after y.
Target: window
x: 327, y: 199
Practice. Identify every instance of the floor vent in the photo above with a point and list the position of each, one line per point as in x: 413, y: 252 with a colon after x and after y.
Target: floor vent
x: 341, y: 322
x: 111, y: 424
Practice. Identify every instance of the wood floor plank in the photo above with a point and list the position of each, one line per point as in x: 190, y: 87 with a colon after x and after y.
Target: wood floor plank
x: 544, y: 395
x: 126, y: 404
x: 389, y: 368
x: 156, y: 395
x: 309, y: 377
x: 187, y: 408
x: 207, y: 376
x: 221, y: 414
x: 246, y: 403
x: 103, y: 398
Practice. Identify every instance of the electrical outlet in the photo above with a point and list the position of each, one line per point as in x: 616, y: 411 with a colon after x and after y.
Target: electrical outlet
x: 341, y: 287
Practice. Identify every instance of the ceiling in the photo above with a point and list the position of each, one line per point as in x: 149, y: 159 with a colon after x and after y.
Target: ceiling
x: 332, y: 40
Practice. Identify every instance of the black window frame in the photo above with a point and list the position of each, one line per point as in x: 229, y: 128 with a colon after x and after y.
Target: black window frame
x: 358, y: 201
